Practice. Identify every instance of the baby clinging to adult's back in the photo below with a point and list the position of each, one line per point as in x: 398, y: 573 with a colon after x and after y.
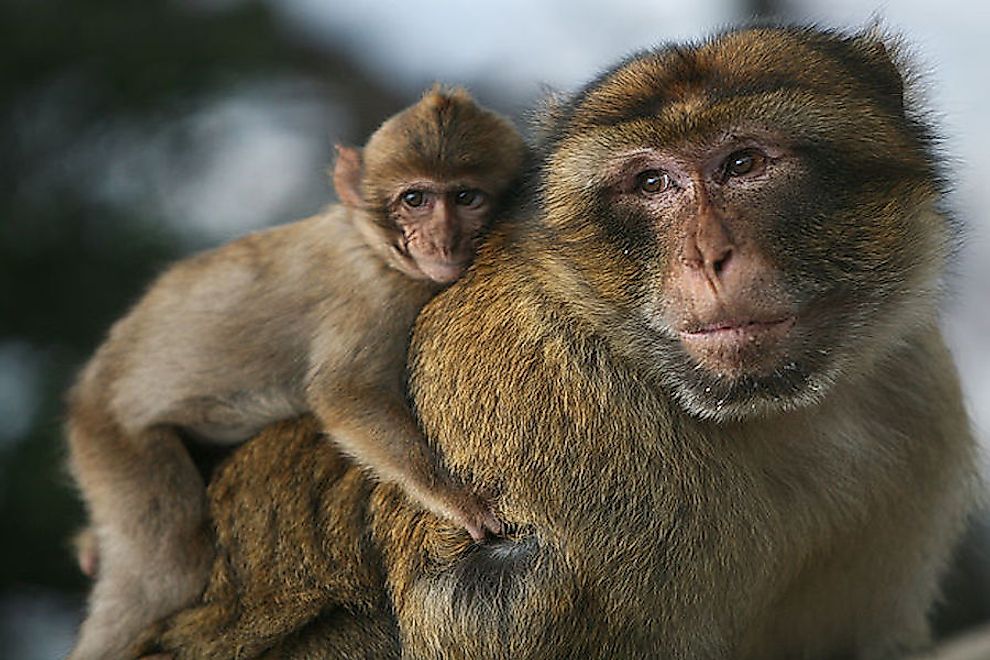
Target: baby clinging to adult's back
x: 310, y: 317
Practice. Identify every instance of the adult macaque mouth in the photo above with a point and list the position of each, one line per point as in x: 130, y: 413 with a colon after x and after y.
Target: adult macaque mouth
x: 733, y: 347
x: 738, y: 330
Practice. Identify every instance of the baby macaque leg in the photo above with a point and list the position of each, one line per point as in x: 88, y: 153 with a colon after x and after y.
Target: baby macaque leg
x: 147, y: 506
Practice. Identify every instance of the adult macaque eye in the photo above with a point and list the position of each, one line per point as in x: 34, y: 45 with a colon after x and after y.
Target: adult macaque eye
x: 652, y: 182
x: 745, y: 162
x: 470, y: 198
x: 413, y: 198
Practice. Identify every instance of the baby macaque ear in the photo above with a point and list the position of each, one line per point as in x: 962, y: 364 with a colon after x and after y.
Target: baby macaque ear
x: 347, y: 173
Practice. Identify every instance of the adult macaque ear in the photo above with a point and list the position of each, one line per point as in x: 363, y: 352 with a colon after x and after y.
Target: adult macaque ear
x: 549, y: 112
x: 347, y: 173
x: 880, y: 51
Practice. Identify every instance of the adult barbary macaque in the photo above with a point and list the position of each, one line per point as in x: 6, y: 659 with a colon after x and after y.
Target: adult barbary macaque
x: 704, y: 376
x: 727, y: 364
x: 312, y: 316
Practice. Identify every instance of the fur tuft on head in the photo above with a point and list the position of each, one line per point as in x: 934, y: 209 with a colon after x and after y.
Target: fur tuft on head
x: 445, y: 136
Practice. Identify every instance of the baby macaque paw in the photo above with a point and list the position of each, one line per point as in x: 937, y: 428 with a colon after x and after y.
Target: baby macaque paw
x: 478, y: 518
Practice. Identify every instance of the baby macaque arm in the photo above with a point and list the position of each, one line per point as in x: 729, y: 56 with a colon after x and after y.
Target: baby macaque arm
x: 373, y: 424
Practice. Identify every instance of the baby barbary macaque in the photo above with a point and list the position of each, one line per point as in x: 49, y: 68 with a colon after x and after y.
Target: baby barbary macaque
x: 314, y: 316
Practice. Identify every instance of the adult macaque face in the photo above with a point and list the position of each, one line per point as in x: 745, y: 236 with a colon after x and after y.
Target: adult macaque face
x: 769, y: 250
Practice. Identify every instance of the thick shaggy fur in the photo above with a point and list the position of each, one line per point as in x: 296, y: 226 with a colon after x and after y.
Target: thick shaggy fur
x: 806, y: 514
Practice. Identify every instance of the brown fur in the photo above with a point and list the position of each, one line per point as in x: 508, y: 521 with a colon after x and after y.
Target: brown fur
x: 311, y: 316
x: 808, y: 514
x: 264, y: 587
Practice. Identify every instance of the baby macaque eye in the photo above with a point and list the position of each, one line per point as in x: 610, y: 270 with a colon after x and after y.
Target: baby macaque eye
x: 745, y: 162
x: 413, y: 198
x: 470, y: 197
x: 652, y: 182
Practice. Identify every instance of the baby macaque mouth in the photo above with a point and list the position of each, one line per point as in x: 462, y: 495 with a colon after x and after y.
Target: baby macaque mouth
x: 444, y: 271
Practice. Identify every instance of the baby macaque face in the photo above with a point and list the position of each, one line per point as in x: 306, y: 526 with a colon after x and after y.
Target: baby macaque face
x: 430, y: 181
x: 439, y: 223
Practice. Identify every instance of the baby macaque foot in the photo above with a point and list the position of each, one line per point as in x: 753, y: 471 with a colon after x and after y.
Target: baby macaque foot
x: 87, y: 551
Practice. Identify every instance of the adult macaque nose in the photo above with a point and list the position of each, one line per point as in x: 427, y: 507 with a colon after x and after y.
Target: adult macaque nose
x: 708, y: 248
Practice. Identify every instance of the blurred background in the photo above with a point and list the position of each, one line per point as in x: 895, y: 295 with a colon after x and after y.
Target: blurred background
x: 133, y: 133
